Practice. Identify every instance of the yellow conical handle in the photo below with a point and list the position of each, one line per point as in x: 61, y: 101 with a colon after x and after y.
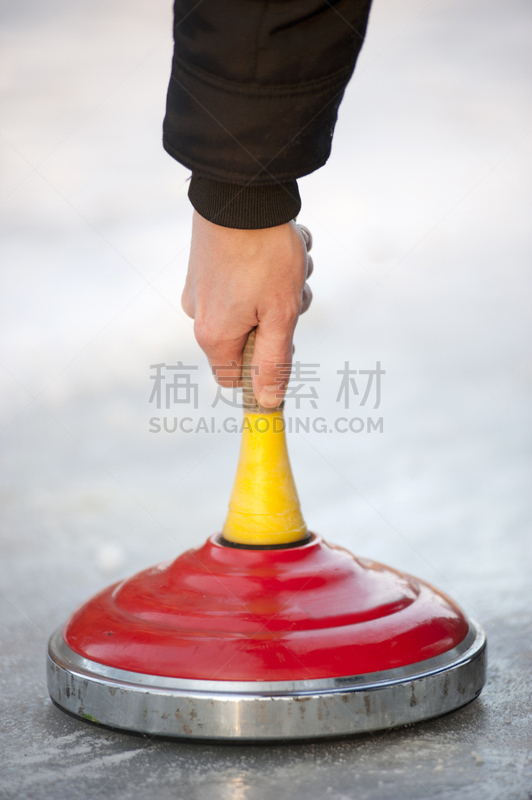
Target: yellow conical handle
x: 264, y: 508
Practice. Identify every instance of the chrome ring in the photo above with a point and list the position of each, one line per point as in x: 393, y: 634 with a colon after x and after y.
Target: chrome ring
x: 254, y: 711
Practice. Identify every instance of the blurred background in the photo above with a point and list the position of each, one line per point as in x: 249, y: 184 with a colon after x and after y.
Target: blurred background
x: 421, y: 223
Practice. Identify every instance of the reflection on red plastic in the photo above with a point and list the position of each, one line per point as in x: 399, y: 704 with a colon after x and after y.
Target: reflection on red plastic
x: 301, y: 613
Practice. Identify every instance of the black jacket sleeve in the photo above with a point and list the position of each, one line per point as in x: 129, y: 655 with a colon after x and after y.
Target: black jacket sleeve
x: 253, y: 98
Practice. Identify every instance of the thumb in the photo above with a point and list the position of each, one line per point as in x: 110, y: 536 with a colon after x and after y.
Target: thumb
x: 272, y: 358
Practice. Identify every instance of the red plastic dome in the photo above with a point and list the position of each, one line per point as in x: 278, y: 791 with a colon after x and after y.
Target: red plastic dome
x: 298, y: 613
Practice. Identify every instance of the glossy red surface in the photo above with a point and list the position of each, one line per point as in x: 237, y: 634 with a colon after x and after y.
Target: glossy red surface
x: 219, y: 613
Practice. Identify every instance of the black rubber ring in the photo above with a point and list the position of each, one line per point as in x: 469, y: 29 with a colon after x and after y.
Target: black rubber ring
x: 239, y: 546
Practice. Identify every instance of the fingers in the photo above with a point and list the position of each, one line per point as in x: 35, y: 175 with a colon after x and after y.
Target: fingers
x: 186, y: 303
x: 306, y: 297
x: 224, y: 355
x: 307, y: 236
x: 273, y: 358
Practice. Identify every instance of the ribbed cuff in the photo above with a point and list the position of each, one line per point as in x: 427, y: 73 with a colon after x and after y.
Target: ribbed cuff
x: 244, y: 207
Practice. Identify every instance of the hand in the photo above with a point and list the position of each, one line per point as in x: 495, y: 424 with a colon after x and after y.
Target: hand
x: 239, y: 279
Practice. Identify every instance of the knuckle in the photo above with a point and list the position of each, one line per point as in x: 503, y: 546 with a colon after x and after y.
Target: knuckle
x: 207, y: 334
x: 187, y: 305
x: 275, y: 369
x: 270, y: 364
x: 307, y: 235
x: 286, y: 314
x: 307, y: 298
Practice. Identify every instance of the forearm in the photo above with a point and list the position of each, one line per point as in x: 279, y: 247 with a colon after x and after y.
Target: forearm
x: 253, y: 99
x: 252, y: 105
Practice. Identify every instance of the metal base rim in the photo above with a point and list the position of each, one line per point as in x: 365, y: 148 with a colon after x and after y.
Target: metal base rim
x: 262, y: 711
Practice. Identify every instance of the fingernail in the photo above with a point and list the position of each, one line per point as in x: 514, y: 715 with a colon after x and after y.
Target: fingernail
x: 270, y: 396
